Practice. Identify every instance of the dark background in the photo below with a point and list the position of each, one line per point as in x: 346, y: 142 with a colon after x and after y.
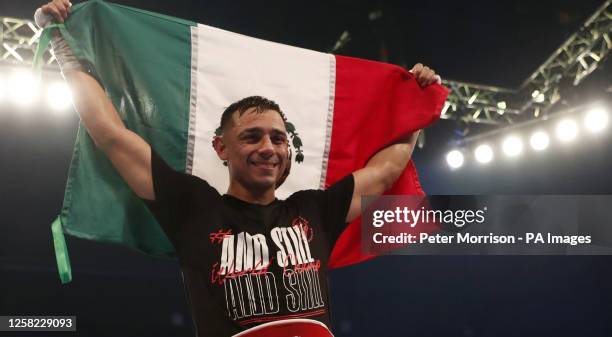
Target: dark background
x: 117, y: 292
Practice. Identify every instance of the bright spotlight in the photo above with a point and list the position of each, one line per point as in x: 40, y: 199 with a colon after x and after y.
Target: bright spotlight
x: 484, y: 154
x: 596, y: 120
x: 454, y: 159
x: 59, y: 96
x: 23, y: 88
x: 567, y: 130
x: 512, y: 146
x: 539, y: 140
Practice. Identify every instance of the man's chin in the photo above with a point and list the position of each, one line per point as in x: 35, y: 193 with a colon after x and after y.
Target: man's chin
x: 263, y: 183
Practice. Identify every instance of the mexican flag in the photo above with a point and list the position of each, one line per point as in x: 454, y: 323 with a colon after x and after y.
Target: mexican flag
x: 170, y: 79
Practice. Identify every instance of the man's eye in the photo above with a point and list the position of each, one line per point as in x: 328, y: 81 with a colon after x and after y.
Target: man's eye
x: 278, y: 140
x: 251, y: 138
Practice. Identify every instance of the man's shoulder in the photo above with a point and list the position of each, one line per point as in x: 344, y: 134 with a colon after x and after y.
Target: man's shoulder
x: 306, y: 193
x: 345, y: 183
x: 305, y: 198
x: 201, y: 184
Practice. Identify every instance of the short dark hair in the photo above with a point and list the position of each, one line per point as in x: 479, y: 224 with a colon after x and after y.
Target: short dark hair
x: 260, y: 104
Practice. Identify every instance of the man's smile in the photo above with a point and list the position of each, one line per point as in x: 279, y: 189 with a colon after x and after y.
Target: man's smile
x: 264, y: 164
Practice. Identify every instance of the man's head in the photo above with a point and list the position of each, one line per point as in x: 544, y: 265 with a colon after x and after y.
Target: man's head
x: 252, y: 141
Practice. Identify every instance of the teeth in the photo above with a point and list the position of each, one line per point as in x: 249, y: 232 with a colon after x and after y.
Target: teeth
x: 264, y: 164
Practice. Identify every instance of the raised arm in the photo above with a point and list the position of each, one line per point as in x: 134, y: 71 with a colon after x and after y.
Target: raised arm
x: 381, y: 172
x: 386, y: 166
x: 128, y: 152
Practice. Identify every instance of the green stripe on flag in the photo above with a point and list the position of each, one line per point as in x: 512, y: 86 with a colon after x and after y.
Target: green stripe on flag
x: 61, y: 251
x: 143, y: 61
x: 43, y: 43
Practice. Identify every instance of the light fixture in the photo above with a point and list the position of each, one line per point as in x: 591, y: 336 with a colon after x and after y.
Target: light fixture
x: 455, y: 159
x: 596, y: 120
x: 501, y: 107
x: 23, y: 88
x: 483, y: 154
x: 567, y: 130
x: 59, y: 96
x: 539, y: 140
x: 539, y: 98
x: 512, y: 146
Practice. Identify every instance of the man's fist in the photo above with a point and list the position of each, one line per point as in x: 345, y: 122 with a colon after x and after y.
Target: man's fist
x: 424, y: 75
x: 58, y: 9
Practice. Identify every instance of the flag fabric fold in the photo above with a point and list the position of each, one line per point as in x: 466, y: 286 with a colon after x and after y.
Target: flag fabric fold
x: 170, y: 80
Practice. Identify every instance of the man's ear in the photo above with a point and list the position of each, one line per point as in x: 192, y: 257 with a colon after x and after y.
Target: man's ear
x: 220, y: 147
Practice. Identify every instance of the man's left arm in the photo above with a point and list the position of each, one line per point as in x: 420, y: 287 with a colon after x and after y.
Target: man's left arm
x: 386, y: 166
x: 381, y: 172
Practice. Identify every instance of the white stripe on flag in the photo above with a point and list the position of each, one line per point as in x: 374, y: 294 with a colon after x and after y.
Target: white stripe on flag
x: 193, y: 97
x: 231, y: 66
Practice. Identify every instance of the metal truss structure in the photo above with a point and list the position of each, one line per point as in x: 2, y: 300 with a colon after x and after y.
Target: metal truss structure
x: 571, y: 63
x: 18, y: 42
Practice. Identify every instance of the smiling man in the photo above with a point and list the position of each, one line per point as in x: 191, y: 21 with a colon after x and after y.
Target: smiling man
x: 248, y: 259
x: 256, y: 166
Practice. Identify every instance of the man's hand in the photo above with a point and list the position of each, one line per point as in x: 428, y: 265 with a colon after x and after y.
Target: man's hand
x: 129, y: 153
x: 424, y: 75
x: 59, y: 9
x: 386, y: 166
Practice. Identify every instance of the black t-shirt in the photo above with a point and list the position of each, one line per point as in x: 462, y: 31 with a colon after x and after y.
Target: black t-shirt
x: 245, y: 264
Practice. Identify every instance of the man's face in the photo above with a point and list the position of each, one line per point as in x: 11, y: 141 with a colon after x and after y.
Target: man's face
x: 256, y: 148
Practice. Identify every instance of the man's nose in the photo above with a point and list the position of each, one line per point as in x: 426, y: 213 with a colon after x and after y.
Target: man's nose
x: 266, y: 147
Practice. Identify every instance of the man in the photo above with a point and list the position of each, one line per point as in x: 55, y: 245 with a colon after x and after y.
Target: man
x: 248, y: 259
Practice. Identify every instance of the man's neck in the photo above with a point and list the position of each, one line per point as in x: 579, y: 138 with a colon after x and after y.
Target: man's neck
x: 264, y: 197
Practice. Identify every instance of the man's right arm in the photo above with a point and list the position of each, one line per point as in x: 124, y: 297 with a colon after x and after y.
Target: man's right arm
x: 129, y: 153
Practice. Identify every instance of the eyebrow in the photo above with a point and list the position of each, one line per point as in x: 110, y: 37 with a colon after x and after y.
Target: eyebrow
x: 260, y: 130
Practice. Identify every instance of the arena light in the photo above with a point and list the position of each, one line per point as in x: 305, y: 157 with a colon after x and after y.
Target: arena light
x: 537, y: 96
x: 59, y: 96
x: 23, y: 88
x: 455, y: 159
x: 512, y: 146
x: 539, y: 140
x: 501, y: 107
x: 483, y: 154
x: 596, y: 120
x: 567, y: 130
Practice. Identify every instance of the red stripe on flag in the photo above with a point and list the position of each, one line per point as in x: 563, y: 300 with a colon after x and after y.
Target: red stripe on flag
x: 375, y: 104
